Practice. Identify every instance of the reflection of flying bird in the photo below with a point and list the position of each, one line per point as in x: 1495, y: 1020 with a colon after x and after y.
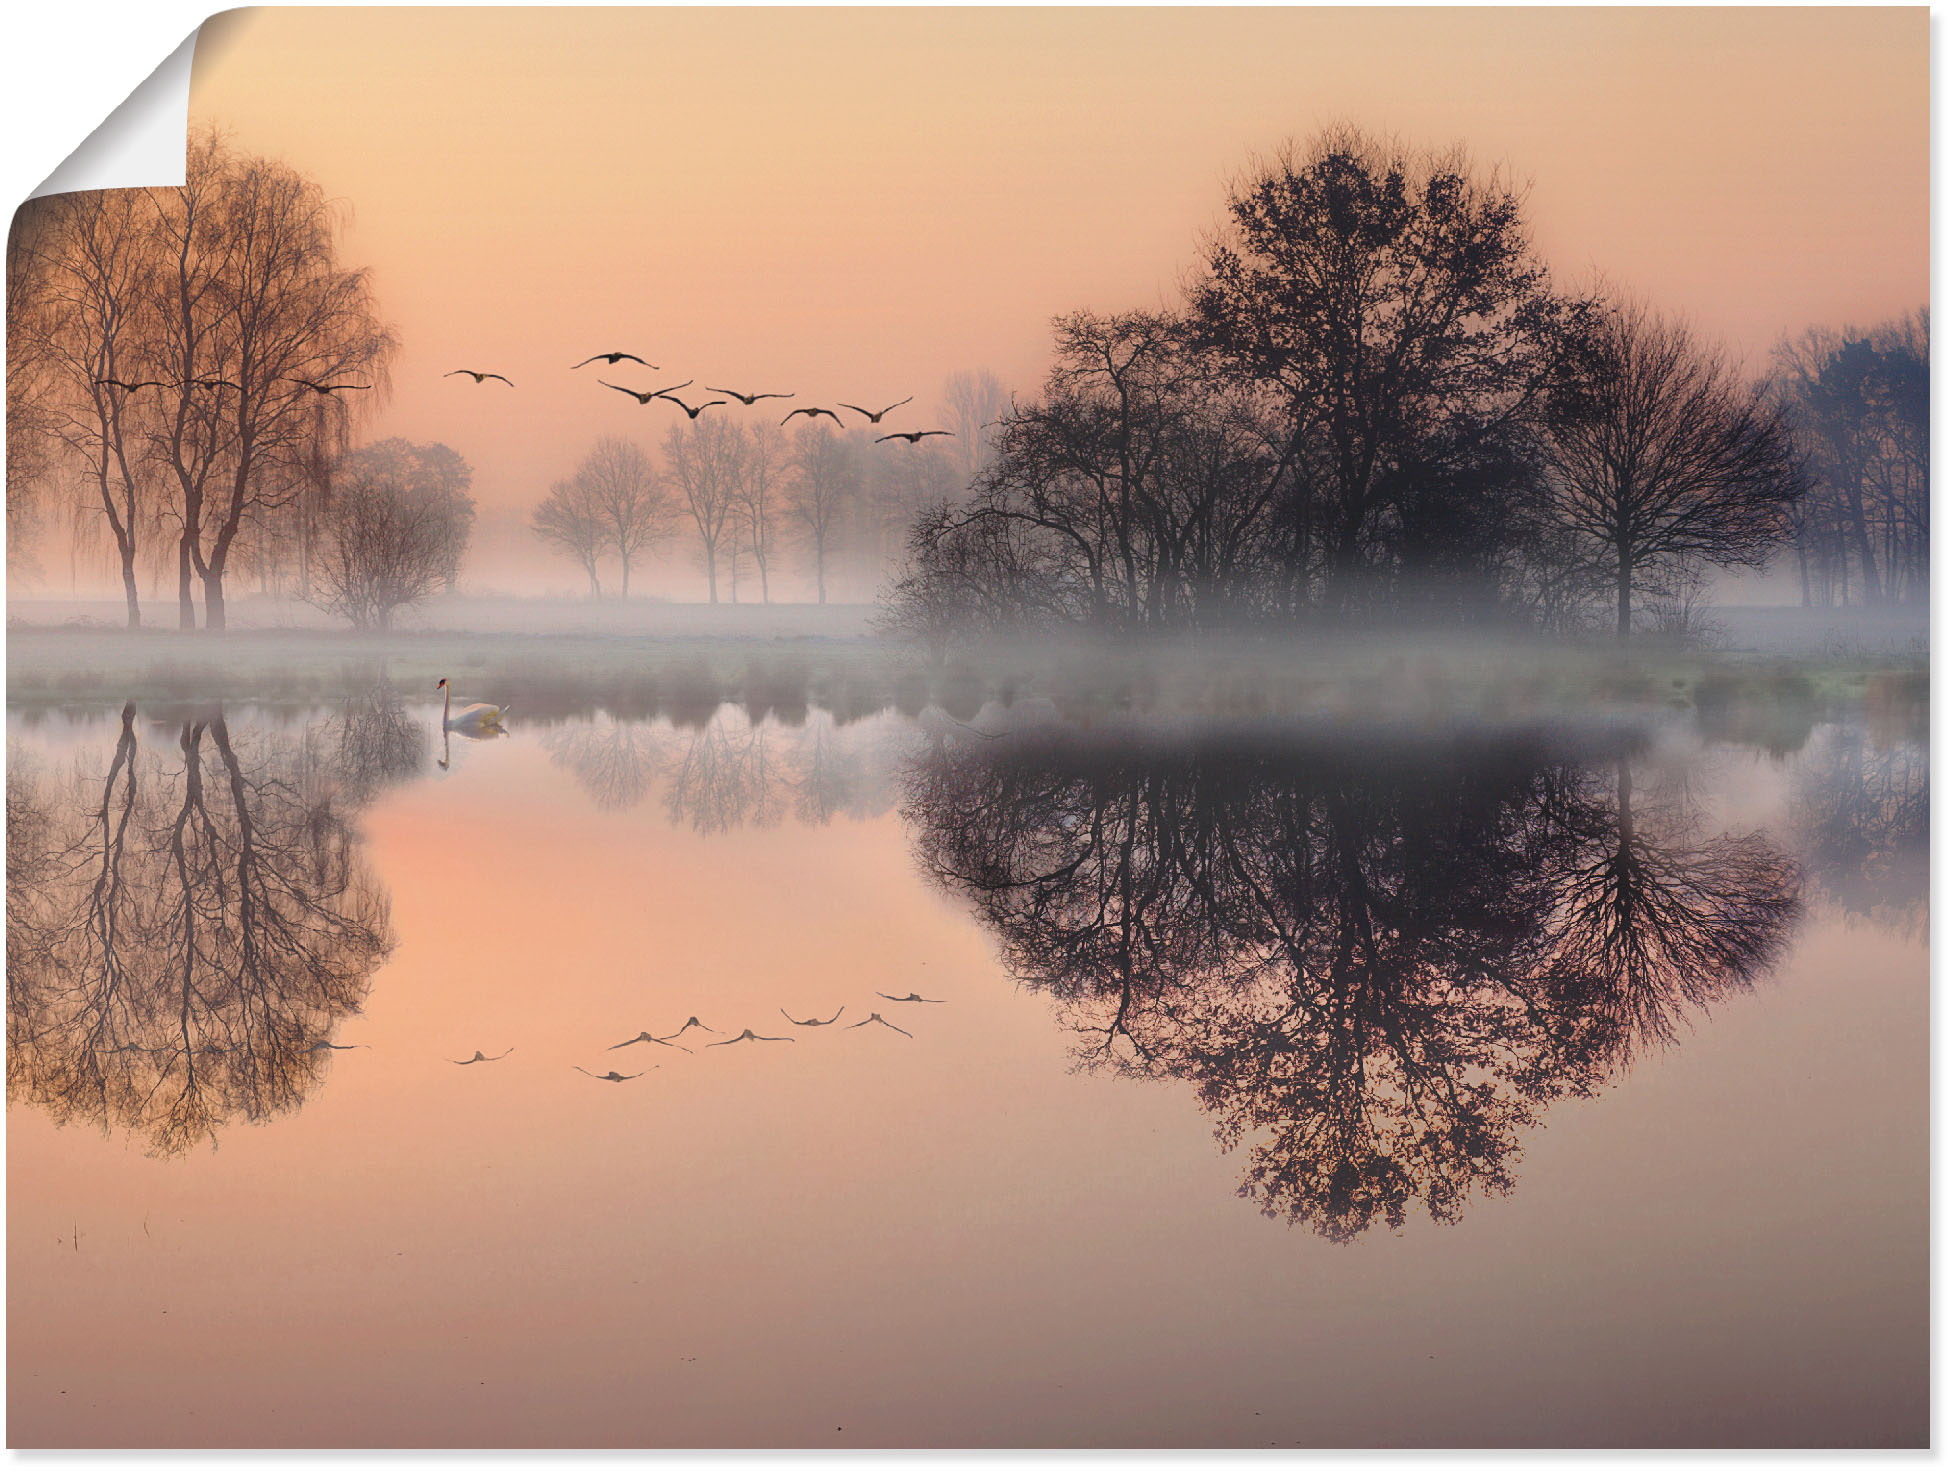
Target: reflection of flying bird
x: 611, y: 1076
x: 875, y: 418
x: 915, y: 436
x: 747, y: 1035
x: 812, y: 414
x: 612, y: 358
x: 693, y: 412
x: 813, y: 1022
x: 913, y: 996
x: 471, y: 717
x: 643, y: 398
x: 645, y: 1037
x: 746, y: 399
x: 875, y: 1017
x: 327, y: 389
x: 477, y: 376
x: 479, y: 1056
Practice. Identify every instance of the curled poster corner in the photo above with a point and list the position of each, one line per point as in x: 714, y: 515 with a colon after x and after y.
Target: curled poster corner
x: 141, y: 144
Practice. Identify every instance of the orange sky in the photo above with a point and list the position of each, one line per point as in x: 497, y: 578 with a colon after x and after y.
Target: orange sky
x: 853, y: 204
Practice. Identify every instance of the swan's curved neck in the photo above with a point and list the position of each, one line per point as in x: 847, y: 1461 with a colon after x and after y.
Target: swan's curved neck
x: 446, y: 715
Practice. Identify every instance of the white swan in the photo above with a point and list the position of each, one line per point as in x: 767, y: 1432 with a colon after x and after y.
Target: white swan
x: 470, y: 717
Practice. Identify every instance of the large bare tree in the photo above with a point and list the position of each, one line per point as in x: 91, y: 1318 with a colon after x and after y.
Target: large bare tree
x: 822, y: 488
x: 572, y: 522
x: 707, y: 459
x: 630, y: 500
x: 1660, y: 454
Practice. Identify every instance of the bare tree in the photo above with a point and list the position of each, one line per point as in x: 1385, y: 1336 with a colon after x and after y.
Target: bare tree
x: 975, y: 402
x: 707, y: 459
x: 387, y: 543
x: 1660, y: 454
x: 631, y: 501
x: 571, y: 521
x: 31, y: 423
x: 764, y: 456
x: 822, y: 488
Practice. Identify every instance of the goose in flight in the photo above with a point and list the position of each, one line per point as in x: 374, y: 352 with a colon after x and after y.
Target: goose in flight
x: 334, y: 1046
x: 812, y: 414
x: 133, y: 387
x: 693, y: 412
x: 914, y: 436
x: 214, y: 383
x: 477, y: 376
x: 643, y: 398
x: 612, y: 358
x: 478, y: 1056
x: 746, y: 399
x: 747, y: 1035
x: 875, y: 418
x: 611, y: 1076
x: 875, y: 1017
x: 645, y: 1037
x: 814, y: 1022
x: 471, y: 717
x: 913, y: 996
x: 327, y: 389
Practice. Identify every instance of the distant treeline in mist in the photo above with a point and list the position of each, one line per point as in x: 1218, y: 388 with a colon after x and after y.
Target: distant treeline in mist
x: 1371, y: 405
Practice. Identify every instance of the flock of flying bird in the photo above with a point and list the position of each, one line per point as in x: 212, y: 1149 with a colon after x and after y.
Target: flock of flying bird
x: 748, y: 400
x: 479, y: 376
x: 748, y: 1034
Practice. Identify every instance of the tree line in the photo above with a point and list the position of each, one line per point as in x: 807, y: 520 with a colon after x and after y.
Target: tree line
x: 1373, y: 403
x: 750, y: 500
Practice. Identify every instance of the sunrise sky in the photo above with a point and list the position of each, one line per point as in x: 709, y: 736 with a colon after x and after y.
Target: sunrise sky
x: 853, y: 204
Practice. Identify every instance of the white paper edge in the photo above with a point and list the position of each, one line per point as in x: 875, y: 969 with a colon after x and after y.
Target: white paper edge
x: 141, y: 144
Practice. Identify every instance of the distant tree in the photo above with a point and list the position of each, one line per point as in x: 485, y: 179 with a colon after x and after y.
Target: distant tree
x: 763, y: 471
x: 629, y: 498
x: 388, y: 542
x: 975, y: 401
x: 571, y: 521
x: 707, y: 459
x: 435, y: 472
x: 822, y: 487
x: 1661, y: 455
x: 31, y: 437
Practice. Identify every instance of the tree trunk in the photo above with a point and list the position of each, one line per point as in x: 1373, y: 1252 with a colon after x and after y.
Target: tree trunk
x: 710, y: 562
x: 1623, y: 573
x: 128, y: 588
x: 213, y: 616
x: 625, y: 579
x: 185, y: 596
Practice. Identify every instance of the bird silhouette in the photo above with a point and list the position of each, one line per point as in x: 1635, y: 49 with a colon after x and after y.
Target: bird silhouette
x: 915, y: 436
x: 813, y: 413
x: 612, y: 358
x: 875, y: 418
x: 746, y: 399
x: 477, y: 376
x: 747, y: 1035
x: 611, y: 1076
x: 645, y: 1037
x: 479, y: 1056
x: 913, y: 996
x: 692, y: 1022
x: 327, y: 389
x: 334, y: 1046
x: 693, y: 412
x: 214, y: 383
x: 875, y: 1017
x: 643, y: 398
x: 814, y: 1022
x: 134, y: 387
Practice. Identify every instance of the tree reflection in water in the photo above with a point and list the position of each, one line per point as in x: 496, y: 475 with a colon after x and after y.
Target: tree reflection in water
x: 1375, y: 967
x: 1861, y: 814
x: 187, y: 927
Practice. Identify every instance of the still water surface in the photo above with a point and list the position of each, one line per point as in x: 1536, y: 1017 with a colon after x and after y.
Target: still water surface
x: 1273, y: 1087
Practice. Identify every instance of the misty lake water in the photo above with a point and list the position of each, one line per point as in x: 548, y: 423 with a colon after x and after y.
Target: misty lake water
x: 1275, y: 1087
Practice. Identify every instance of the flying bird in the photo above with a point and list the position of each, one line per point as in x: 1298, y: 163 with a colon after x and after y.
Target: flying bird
x: 746, y: 399
x: 611, y: 1076
x: 478, y: 377
x: 693, y: 412
x: 479, y: 1056
x: 331, y: 388
x: 814, y: 1022
x: 645, y: 1037
x: 214, y: 383
x: 612, y: 358
x: 747, y: 1035
x: 913, y: 996
x: 133, y: 387
x: 914, y: 436
x: 875, y: 1017
x: 692, y: 1022
x: 643, y: 398
x: 334, y: 1046
x: 875, y: 418
x: 813, y: 413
